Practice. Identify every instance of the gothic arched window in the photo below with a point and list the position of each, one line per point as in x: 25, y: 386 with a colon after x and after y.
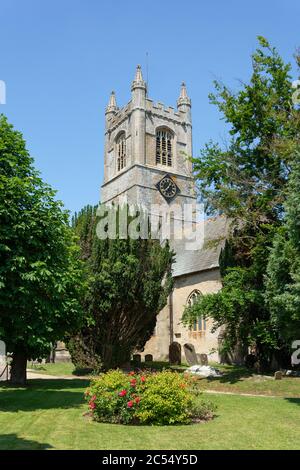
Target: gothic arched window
x: 121, y: 151
x: 200, y: 323
x: 163, y: 147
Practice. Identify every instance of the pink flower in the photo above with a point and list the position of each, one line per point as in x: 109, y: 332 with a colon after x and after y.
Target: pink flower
x: 130, y: 404
x: 93, y: 398
x: 92, y: 405
x: 133, y: 382
x: 122, y: 393
x: 131, y: 373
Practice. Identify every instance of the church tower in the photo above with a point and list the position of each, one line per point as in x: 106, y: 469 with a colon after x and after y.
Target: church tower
x: 147, y: 146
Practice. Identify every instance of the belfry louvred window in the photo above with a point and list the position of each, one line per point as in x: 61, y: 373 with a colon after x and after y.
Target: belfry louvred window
x: 121, y: 152
x: 163, y: 147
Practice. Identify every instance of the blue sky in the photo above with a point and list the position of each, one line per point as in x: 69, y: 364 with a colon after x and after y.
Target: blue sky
x: 61, y: 58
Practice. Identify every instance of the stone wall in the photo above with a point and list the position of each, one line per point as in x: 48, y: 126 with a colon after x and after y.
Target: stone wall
x: 204, y: 342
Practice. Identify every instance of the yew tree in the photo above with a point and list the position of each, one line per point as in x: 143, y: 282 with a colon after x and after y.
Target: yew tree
x: 129, y: 281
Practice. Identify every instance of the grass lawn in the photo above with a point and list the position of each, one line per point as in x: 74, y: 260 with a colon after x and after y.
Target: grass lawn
x: 235, y: 379
x: 59, y: 368
x: 49, y: 415
x: 240, y: 380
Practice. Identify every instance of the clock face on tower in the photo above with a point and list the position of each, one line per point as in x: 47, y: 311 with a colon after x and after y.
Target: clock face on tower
x: 167, y: 188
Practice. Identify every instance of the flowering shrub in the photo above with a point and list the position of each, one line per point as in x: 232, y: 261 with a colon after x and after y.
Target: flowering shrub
x: 147, y: 398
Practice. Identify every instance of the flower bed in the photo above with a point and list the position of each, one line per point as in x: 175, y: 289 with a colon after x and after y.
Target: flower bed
x: 160, y: 398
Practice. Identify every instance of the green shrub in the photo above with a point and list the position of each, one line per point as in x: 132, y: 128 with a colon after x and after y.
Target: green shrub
x: 166, y: 399
x: 160, y: 398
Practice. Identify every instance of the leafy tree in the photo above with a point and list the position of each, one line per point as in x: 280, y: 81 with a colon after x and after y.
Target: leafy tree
x: 245, y: 180
x: 40, y: 272
x: 128, y: 284
x: 283, y: 271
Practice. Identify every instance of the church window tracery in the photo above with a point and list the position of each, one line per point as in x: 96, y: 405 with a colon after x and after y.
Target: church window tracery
x: 200, y: 323
x: 121, y: 152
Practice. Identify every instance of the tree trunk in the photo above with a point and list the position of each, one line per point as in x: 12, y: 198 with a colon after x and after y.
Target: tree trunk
x: 18, y: 368
x: 114, y: 356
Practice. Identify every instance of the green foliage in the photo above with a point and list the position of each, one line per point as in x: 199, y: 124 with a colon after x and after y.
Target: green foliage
x: 239, y: 305
x: 40, y: 271
x: 166, y: 400
x: 246, y: 180
x: 283, y: 271
x: 243, y: 179
x: 128, y: 284
x: 161, y: 398
x: 115, y: 397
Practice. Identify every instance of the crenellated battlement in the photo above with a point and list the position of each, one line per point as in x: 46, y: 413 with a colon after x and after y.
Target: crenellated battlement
x: 132, y: 130
x: 169, y: 112
x: 155, y: 108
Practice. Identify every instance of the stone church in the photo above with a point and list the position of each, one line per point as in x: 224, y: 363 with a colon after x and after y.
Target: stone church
x: 145, y: 162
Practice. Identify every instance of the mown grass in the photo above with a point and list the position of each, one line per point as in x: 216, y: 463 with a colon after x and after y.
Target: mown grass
x: 58, y: 369
x: 235, y: 379
x: 49, y: 415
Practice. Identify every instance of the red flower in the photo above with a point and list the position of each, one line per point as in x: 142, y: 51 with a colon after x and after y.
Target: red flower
x: 93, y: 398
x: 130, y: 404
x: 92, y: 405
x: 122, y: 393
x: 133, y: 382
x: 143, y: 379
x: 137, y: 400
x: 131, y: 373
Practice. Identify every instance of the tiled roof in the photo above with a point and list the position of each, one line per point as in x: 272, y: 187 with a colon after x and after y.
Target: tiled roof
x: 207, y: 256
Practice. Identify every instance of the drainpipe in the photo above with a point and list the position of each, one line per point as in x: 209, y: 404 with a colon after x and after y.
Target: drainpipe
x: 171, y: 317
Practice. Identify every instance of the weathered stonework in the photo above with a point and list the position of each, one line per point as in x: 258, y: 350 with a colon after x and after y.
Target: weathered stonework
x: 170, y: 328
x: 139, y: 122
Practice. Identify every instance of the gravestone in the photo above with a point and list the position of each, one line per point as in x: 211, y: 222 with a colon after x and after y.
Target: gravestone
x: 203, y: 359
x: 190, y: 354
x: 175, y: 353
x: 148, y: 358
x: 137, y: 358
x: 278, y: 375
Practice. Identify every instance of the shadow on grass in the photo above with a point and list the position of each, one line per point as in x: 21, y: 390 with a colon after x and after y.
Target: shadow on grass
x: 294, y: 401
x: 43, y: 394
x: 81, y: 372
x: 232, y: 375
x: 13, y: 442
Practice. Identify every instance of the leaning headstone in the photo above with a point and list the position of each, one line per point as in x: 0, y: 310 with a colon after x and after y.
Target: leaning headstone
x: 137, y: 358
x: 175, y: 353
x: 148, y: 358
x: 190, y: 354
x: 278, y: 375
x: 203, y: 359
